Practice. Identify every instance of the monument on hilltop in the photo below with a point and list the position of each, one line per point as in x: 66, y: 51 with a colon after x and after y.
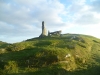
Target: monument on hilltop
x: 44, y: 31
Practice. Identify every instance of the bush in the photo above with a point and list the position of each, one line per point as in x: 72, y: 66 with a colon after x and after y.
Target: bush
x: 11, y: 67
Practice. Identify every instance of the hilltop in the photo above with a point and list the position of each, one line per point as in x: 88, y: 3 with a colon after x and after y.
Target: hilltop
x: 68, y: 54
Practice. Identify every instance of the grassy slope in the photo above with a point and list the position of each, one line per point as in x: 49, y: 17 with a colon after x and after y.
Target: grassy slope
x: 2, y: 47
x: 47, y: 56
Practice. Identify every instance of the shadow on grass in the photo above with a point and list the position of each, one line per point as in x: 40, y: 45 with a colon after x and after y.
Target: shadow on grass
x: 46, y: 72
x: 61, y: 71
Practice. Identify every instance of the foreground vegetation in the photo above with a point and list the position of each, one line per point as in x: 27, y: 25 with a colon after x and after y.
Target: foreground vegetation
x: 70, y: 54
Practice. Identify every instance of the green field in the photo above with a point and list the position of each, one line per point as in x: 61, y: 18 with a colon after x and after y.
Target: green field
x: 68, y: 54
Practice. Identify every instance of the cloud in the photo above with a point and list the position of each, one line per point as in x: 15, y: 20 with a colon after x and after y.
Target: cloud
x: 41, y: 10
x: 21, y: 18
x: 81, y: 13
x: 87, y: 19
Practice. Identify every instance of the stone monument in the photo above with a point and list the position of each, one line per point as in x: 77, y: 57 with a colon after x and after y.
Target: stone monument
x: 44, y: 32
x: 56, y: 33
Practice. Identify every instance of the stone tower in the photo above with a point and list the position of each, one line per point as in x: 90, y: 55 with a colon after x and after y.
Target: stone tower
x: 44, y: 32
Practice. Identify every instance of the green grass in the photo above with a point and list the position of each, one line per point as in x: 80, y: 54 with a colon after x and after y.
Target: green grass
x: 47, y: 56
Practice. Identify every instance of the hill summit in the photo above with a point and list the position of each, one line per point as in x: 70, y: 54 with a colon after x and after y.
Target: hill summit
x: 68, y: 54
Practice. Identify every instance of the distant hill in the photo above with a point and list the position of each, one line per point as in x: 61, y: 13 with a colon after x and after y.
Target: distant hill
x: 3, y: 45
x: 69, y: 54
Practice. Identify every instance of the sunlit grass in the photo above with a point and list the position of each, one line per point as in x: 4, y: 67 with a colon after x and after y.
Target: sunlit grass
x: 49, y: 56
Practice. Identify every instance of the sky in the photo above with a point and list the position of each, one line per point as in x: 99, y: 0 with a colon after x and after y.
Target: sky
x: 22, y: 19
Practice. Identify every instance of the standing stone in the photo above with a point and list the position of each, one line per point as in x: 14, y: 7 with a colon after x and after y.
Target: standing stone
x: 44, y: 32
x: 43, y: 29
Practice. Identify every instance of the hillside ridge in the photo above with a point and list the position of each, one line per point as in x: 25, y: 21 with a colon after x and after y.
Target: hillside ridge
x: 72, y: 54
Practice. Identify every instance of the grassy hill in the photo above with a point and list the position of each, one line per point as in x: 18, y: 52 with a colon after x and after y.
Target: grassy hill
x: 70, y: 54
x: 3, y: 45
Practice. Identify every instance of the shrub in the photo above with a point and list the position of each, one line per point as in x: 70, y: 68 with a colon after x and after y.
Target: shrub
x: 11, y: 67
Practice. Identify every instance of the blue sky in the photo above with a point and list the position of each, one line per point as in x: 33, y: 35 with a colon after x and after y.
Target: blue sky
x: 21, y: 19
